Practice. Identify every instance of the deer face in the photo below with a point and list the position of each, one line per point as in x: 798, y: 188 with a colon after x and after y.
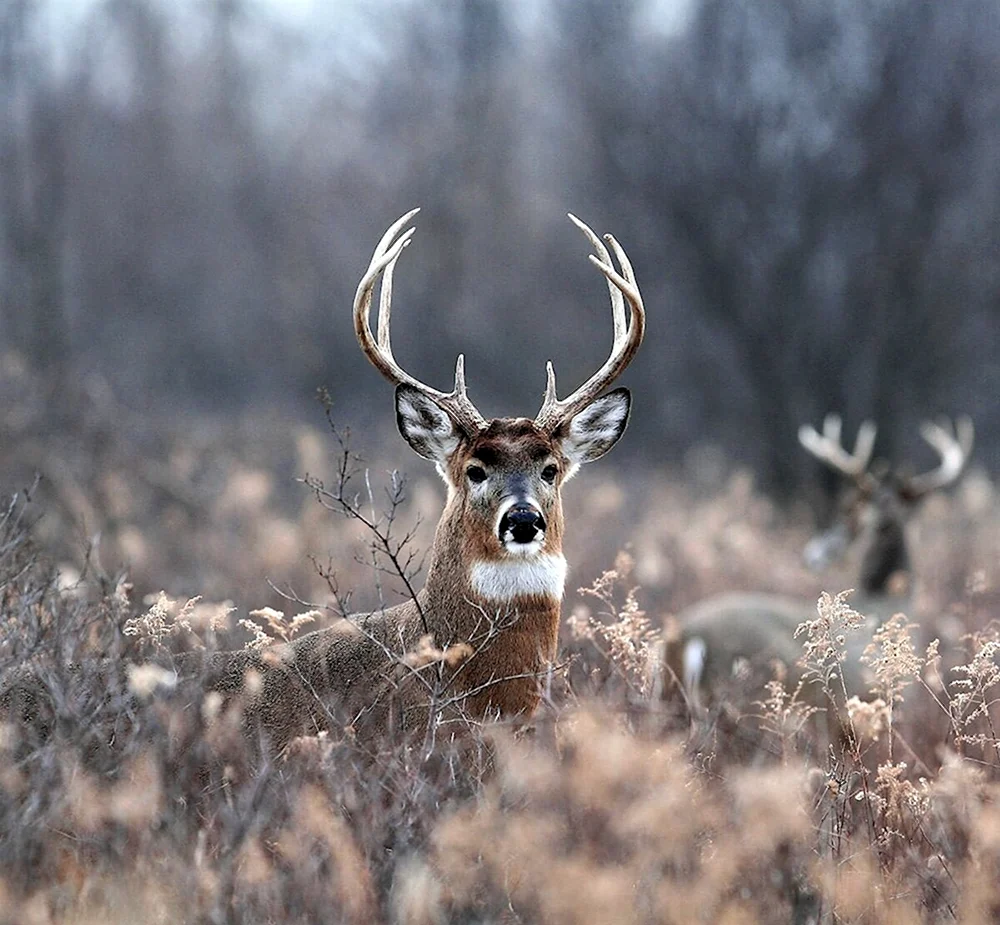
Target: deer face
x: 506, y: 478
x: 868, y: 511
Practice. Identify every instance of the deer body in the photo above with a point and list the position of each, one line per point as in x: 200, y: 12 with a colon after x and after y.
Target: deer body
x: 733, y: 640
x: 479, y: 638
x: 734, y: 634
x: 349, y: 674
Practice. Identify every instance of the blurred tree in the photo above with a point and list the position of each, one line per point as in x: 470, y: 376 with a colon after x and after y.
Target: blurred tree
x: 33, y: 194
x: 802, y: 170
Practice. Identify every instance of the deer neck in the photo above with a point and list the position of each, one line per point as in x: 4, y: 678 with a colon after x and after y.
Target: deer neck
x: 885, y: 556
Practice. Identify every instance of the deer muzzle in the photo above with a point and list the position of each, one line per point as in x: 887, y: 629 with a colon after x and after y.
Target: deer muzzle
x: 521, y: 526
x: 826, y: 548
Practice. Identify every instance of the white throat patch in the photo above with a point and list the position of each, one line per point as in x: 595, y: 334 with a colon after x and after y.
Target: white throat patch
x: 539, y: 576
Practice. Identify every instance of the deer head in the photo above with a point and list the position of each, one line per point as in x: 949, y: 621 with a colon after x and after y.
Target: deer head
x: 504, y: 476
x: 880, y: 498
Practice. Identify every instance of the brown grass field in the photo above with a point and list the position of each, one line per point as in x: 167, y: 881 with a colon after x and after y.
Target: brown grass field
x: 126, y: 798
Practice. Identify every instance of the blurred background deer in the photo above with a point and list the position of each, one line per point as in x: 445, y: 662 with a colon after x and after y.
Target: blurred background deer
x: 731, y: 643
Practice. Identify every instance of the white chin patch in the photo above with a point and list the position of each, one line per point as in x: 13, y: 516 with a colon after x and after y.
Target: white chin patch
x: 523, y: 549
x: 542, y: 575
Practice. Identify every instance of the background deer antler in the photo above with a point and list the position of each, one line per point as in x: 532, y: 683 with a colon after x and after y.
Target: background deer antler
x: 627, y: 336
x: 828, y: 448
x: 954, y: 444
x: 456, y: 402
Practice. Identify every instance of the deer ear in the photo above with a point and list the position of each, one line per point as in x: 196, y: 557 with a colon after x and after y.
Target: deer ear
x: 425, y: 425
x: 593, y: 431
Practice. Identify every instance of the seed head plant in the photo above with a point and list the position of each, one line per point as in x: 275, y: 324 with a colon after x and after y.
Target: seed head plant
x: 131, y: 793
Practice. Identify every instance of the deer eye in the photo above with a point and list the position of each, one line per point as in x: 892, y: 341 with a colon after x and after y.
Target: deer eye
x: 550, y: 472
x: 476, y: 474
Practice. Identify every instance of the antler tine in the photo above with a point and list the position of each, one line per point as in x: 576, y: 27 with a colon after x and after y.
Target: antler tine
x: 831, y: 427
x: 864, y: 443
x: 627, y: 334
x: 604, y: 258
x: 385, y: 297
x: 954, y: 447
x: 827, y: 447
x: 385, y: 242
x: 379, y: 351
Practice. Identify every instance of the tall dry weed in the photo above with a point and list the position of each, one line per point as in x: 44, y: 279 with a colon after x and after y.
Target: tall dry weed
x: 133, y: 796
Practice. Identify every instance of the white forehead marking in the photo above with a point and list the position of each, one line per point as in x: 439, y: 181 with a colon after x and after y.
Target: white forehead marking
x: 540, y: 576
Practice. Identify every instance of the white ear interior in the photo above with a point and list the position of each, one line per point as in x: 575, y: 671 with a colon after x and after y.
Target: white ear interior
x: 593, y: 431
x: 425, y: 425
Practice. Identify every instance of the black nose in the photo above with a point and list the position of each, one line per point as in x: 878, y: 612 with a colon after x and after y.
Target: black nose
x: 523, y: 522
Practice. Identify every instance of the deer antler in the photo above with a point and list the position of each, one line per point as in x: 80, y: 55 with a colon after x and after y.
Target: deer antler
x: 455, y: 403
x: 627, y: 336
x: 827, y: 447
x: 954, y: 446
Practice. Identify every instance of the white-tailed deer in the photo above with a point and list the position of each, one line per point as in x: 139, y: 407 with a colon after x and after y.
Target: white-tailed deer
x: 742, y: 635
x: 495, y: 577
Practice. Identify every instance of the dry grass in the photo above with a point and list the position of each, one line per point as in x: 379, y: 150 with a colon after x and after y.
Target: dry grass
x: 134, y: 796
